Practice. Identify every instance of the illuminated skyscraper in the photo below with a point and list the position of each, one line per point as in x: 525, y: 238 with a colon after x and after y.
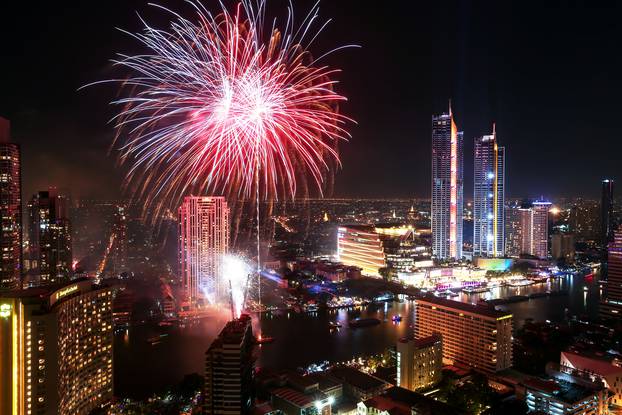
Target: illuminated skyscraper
x: 203, y: 240
x: 606, y: 212
x: 10, y: 209
x: 56, y: 349
x: 489, y: 197
x: 229, y: 370
x: 360, y: 246
x: 540, y: 229
x: 447, y: 187
x: 527, y: 230
x: 50, y: 237
x: 611, y: 302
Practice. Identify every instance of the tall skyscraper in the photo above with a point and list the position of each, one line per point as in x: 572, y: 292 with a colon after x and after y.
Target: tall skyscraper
x: 527, y: 229
x: 611, y: 301
x: 10, y: 209
x: 203, y: 240
x: 489, y: 197
x: 229, y: 370
x: 473, y: 335
x: 50, y: 246
x: 606, y: 212
x: 447, y: 187
x: 56, y: 349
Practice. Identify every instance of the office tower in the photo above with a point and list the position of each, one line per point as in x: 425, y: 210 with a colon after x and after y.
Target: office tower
x: 562, y: 247
x: 49, y: 237
x: 360, y: 246
x: 473, y: 335
x: 229, y: 370
x: 10, y: 209
x: 527, y: 230
x: 540, y: 229
x: 419, y: 362
x: 606, y: 212
x: 584, y: 220
x: 489, y: 197
x: 611, y: 300
x: 118, y: 251
x: 56, y: 349
x: 203, y: 240
x: 447, y: 187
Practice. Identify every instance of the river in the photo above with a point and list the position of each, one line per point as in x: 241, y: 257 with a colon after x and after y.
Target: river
x: 142, y: 368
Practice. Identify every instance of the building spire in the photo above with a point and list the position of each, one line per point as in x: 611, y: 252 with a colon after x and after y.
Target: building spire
x: 450, y: 107
x: 494, y: 130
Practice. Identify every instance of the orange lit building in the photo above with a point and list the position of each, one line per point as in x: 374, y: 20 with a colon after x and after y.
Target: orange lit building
x: 56, y: 349
x: 360, y: 246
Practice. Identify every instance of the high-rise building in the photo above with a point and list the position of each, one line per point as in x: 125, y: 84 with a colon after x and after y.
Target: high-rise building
x: 584, y: 220
x: 527, y: 230
x: 563, y: 247
x: 419, y: 362
x: 611, y: 300
x: 229, y: 370
x: 606, y: 212
x: 50, y: 247
x: 360, y: 246
x: 10, y: 209
x: 203, y: 240
x: 56, y: 349
x: 489, y: 197
x: 473, y: 335
x: 447, y: 187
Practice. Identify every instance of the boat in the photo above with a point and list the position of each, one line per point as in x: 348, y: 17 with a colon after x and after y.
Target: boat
x: 264, y: 339
x: 334, y: 325
x: 475, y: 290
x: 363, y: 322
x: 396, y: 318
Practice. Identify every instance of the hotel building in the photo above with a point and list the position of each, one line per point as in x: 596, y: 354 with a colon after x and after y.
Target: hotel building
x: 527, y: 230
x: 203, y: 240
x: 489, y: 197
x: 10, y: 210
x: 473, y: 335
x: 229, y: 370
x: 56, y: 349
x: 447, y: 187
x: 419, y: 362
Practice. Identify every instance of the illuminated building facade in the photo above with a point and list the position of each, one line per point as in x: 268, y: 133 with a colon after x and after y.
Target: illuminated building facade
x: 473, y: 335
x: 489, y: 197
x: 527, y: 230
x: 56, y: 349
x: 229, y: 370
x: 557, y: 396
x: 203, y: 240
x: 606, y: 212
x: 584, y: 220
x: 50, y: 237
x: 419, y: 362
x: 10, y: 210
x: 611, y: 300
x: 360, y: 246
x: 447, y: 187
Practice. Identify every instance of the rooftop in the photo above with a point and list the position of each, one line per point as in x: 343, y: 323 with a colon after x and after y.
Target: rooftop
x: 422, y: 342
x: 294, y: 397
x: 484, y: 310
x: 398, y: 401
x: 594, y: 364
x: 561, y: 390
x: 357, y: 378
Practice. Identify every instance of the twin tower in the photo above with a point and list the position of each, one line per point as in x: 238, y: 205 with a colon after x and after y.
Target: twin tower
x: 448, y: 192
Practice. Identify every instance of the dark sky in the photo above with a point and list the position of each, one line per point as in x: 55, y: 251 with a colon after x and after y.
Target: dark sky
x: 548, y: 72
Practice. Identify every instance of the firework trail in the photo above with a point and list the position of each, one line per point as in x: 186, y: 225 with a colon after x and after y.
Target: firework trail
x: 223, y: 105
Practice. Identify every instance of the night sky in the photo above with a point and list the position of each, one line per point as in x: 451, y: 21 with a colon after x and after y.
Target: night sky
x: 548, y: 75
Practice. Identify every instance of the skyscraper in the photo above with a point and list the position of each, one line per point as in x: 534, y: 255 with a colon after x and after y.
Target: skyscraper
x: 10, y: 209
x: 606, y: 212
x: 203, y: 240
x: 611, y: 301
x: 489, y: 197
x: 527, y: 229
x: 229, y: 370
x: 56, y: 349
x: 50, y: 248
x: 447, y: 187
x: 540, y: 229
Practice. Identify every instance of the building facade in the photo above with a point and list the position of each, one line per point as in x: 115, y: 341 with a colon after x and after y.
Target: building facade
x: 611, y: 299
x: 489, y: 197
x: 203, y: 240
x: 419, y: 362
x: 473, y: 335
x: 447, y: 187
x: 56, y: 349
x: 595, y: 369
x: 606, y: 212
x: 360, y: 246
x: 50, y: 245
x: 527, y: 229
x: 10, y: 210
x: 563, y: 247
x: 558, y: 396
x: 229, y: 370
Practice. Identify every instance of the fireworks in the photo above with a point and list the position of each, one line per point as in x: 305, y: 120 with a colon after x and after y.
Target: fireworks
x: 235, y: 271
x: 222, y: 105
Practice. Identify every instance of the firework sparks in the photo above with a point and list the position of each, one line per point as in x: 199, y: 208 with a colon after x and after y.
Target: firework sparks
x: 236, y: 272
x: 224, y: 106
